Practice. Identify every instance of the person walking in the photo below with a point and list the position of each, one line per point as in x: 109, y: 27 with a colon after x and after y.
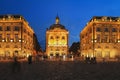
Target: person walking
x: 30, y: 59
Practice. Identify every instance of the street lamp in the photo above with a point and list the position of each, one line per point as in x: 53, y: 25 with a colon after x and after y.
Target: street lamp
x: 93, y: 58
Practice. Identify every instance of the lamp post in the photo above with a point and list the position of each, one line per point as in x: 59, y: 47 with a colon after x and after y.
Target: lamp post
x: 93, y: 58
x: 94, y: 41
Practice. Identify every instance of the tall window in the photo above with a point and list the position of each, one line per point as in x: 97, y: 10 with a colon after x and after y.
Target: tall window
x: 98, y: 29
x: 51, y: 37
x: 106, y: 29
x: 8, y: 37
x: 113, y: 38
x: 105, y: 38
x: 8, y: 28
x: 98, y: 37
x: 0, y: 46
x: 114, y: 30
x: 57, y: 37
x: 16, y: 37
x: 0, y: 37
x: 16, y: 28
x: 25, y: 31
x: 107, y: 54
x: 99, y: 54
x: 25, y: 38
x: 0, y: 28
x: 63, y: 37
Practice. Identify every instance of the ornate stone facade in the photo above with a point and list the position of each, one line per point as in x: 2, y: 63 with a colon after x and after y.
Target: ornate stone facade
x: 57, y: 39
x: 101, y: 38
x: 16, y: 36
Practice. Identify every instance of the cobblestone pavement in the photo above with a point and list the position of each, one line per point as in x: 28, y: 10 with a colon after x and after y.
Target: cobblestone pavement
x: 59, y: 70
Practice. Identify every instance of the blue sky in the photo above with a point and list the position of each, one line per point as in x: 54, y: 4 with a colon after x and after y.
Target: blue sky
x: 73, y: 14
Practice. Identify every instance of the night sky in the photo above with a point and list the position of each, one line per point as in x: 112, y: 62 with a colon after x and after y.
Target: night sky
x: 73, y: 14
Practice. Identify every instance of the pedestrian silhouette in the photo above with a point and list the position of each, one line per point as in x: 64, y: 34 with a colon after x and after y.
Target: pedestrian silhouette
x: 16, y: 66
x: 29, y: 59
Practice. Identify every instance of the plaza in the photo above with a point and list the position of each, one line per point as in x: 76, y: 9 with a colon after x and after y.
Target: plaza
x: 61, y: 70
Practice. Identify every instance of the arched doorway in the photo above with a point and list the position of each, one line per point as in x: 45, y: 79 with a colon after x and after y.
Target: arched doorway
x: 7, y: 54
x: 57, y: 55
x: 15, y: 53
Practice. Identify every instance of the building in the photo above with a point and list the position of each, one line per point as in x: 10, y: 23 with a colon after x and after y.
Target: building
x: 101, y: 38
x: 16, y: 36
x: 37, y: 48
x: 57, y: 39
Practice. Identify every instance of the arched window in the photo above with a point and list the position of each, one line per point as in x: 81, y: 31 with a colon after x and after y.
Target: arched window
x: 57, y: 37
x: 51, y: 37
x: 63, y: 37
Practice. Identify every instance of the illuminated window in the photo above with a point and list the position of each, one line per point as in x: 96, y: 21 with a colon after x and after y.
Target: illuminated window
x: 107, y: 54
x: 99, y: 54
x: 8, y: 28
x: 8, y: 37
x: 16, y: 37
x: 105, y: 38
x: 113, y: 38
x: 7, y: 53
